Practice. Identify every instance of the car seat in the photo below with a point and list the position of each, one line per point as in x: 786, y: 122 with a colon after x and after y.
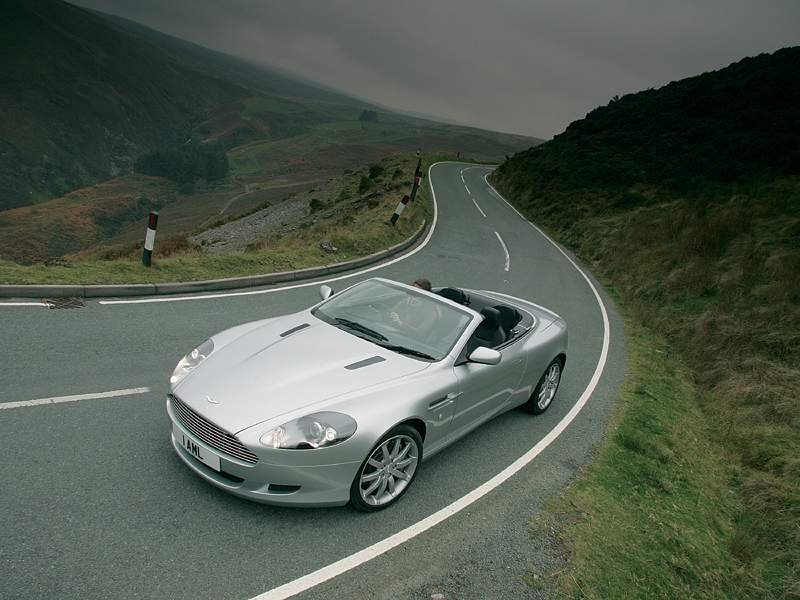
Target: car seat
x: 509, y: 317
x: 489, y: 333
x: 455, y: 295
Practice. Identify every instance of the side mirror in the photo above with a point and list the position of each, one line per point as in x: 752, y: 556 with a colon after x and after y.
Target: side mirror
x: 325, y: 292
x: 485, y: 356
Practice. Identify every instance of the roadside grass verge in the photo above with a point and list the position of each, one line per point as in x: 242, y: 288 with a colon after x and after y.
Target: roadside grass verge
x: 714, y: 273
x: 652, y: 516
x: 358, y: 228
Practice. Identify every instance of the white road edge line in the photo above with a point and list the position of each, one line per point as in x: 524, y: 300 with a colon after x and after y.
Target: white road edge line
x: 354, y: 560
x: 468, y: 192
x: 42, y: 304
x: 301, y: 285
x: 479, y: 208
x: 505, y: 249
x: 75, y: 398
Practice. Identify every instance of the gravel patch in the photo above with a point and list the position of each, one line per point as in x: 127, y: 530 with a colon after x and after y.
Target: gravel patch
x: 237, y: 235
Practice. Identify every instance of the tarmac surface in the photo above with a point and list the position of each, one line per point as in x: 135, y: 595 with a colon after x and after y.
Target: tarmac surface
x: 95, y: 504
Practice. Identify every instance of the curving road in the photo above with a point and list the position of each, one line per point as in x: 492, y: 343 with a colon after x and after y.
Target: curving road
x: 94, y: 504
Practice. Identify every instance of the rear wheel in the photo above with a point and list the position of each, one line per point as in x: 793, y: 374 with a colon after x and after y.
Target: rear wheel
x: 546, y: 389
x: 387, y: 473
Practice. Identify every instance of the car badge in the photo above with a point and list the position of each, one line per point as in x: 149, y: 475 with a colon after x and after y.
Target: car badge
x: 211, y: 400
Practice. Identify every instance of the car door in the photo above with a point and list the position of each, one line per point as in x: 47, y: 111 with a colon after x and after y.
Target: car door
x: 486, y: 390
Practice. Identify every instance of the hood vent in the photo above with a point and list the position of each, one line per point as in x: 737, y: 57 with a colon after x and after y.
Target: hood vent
x: 294, y: 329
x: 365, y: 363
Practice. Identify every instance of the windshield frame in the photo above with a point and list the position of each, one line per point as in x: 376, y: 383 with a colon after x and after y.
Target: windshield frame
x: 474, y: 318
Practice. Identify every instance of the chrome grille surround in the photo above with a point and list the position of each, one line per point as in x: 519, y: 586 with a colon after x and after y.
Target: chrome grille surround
x: 211, y: 434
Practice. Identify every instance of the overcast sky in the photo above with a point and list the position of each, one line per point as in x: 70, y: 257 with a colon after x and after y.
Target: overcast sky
x: 527, y: 67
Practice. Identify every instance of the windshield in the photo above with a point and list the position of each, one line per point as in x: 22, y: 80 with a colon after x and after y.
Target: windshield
x: 396, y: 318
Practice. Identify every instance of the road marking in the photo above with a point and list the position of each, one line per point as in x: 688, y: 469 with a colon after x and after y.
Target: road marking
x: 75, y: 398
x: 479, y: 208
x: 42, y: 304
x: 505, y: 249
x: 465, y: 185
x: 354, y: 560
x: 302, y: 285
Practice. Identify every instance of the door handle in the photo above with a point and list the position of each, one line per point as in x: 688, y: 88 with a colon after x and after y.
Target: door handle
x: 443, y: 401
x: 439, y: 403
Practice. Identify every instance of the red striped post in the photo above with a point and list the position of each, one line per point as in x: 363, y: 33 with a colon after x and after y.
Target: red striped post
x: 150, y: 238
x: 406, y: 199
x: 417, y: 177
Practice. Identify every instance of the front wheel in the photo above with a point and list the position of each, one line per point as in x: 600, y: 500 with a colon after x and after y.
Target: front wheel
x: 387, y: 473
x: 546, y: 389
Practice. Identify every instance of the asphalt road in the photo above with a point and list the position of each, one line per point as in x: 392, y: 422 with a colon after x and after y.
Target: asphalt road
x: 94, y: 503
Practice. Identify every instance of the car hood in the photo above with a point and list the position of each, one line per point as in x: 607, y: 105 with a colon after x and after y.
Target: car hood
x: 272, y: 370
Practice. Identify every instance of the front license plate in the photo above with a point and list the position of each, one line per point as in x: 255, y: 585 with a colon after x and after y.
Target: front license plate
x: 202, y: 454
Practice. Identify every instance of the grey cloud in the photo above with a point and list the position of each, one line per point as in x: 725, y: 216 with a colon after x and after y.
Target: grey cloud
x: 524, y: 67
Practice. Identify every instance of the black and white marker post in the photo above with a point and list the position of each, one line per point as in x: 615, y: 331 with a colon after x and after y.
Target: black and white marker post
x: 150, y: 238
x: 399, y: 210
x: 406, y: 199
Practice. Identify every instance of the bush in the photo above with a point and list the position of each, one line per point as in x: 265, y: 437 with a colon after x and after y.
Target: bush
x: 185, y: 164
x: 364, y: 185
x: 375, y: 171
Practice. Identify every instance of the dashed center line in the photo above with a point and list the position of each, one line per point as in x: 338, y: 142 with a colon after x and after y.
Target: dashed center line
x: 74, y: 398
x: 478, y: 207
x: 505, y: 249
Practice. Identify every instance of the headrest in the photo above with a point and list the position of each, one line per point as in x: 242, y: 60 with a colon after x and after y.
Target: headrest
x: 491, y: 316
x: 455, y: 295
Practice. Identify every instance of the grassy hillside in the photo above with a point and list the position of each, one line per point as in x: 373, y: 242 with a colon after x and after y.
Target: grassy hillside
x: 348, y: 214
x: 686, y: 201
x: 85, y: 95
x: 80, y: 102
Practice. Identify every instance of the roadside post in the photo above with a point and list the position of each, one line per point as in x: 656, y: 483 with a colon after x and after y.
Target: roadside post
x: 399, y: 210
x: 417, y: 177
x: 150, y: 238
x: 406, y: 199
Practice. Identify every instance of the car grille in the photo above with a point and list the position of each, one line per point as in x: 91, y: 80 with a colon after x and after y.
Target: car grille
x: 209, y: 433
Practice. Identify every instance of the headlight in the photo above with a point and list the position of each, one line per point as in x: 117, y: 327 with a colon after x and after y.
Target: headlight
x: 317, y: 430
x: 191, y: 360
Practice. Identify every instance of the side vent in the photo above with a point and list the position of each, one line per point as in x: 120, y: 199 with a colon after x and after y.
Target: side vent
x: 295, y: 329
x: 365, y: 363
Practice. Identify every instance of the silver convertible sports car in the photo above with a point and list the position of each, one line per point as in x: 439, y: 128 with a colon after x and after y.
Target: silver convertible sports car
x: 340, y: 403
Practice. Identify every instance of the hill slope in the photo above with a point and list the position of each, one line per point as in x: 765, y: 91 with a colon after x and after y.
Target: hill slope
x: 84, y: 94
x: 737, y: 122
x: 686, y: 201
x: 79, y: 102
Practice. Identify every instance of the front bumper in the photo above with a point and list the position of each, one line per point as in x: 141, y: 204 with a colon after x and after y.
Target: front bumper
x: 306, y: 485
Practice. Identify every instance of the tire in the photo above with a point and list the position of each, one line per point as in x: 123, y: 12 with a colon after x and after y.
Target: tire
x: 547, y: 388
x: 383, y: 471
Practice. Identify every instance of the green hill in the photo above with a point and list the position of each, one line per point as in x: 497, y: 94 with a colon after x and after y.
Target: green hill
x: 736, y: 123
x: 84, y: 96
x: 685, y: 200
x: 80, y: 102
